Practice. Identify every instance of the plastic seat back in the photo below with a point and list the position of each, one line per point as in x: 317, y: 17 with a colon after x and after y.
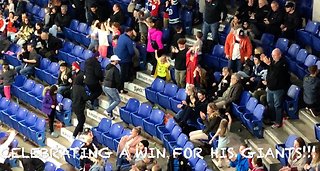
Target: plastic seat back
x: 28, y: 85
x: 20, y: 80
x: 312, y: 27
x: 68, y: 46
x: 44, y: 63
x: 310, y: 60
x: 82, y: 27
x: 218, y: 51
x: 252, y: 103
x: 293, y: 50
x: 132, y: 105
x: 40, y: 124
x: 258, y: 112
x: 267, y: 39
x: 21, y: 114
x: 13, y: 108
x: 4, y: 103
x: 116, y: 130
x: 37, y: 90
x: 31, y: 119
x: 293, y: 92
x: 77, y: 143
x: 245, y: 96
x: 74, y: 24
x: 176, y: 131
x: 105, y: 124
x: 144, y: 110
x: 170, y: 89
x: 156, y: 116
x: 182, y: 140
x: 49, y: 166
x: 54, y: 68
x: 181, y: 94
x: 290, y: 140
x: 201, y: 165
x: 302, y: 55
x: 67, y: 104
x: 59, y: 98
x: 282, y: 44
x: 35, y: 10
x: 158, y: 85
x: 77, y: 50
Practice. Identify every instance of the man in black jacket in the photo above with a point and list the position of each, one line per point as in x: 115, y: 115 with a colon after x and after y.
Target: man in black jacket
x: 112, y: 85
x: 79, y: 98
x: 62, y: 19
x: 274, y: 20
x: 212, y: 18
x: 93, y: 76
x: 50, y: 46
x: 277, y: 82
x: 292, y: 21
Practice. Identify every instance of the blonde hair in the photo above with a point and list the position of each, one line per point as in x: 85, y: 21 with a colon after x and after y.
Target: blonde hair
x: 215, y: 110
x: 223, y: 127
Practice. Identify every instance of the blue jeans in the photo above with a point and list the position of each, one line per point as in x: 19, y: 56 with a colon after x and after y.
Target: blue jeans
x: 210, y: 27
x: 235, y: 65
x: 26, y: 71
x: 275, y: 99
x: 121, y: 161
x: 114, y: 98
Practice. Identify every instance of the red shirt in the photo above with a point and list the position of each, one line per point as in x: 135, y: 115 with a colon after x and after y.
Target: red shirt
x: 154, y: 9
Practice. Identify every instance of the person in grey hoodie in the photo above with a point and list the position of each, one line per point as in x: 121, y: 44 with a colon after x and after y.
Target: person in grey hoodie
x: 311, y: 91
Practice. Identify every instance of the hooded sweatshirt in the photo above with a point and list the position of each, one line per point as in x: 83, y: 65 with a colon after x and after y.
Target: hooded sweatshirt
x: 79, y: 95
x: 311, y: 89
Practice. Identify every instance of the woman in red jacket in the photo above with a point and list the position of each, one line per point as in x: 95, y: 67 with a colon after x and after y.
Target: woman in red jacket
x: 191, y: 63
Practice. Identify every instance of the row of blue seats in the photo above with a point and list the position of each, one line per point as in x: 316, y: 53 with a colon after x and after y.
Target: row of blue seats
x: 299, y: 60
x: 151, y: 120
x: 25, y: 122
x: 35, y: 13
x: 30, y: 92
x: 71, y: 53
x: 41, y: 3
x: 49, y: 166
x: 78, y: 32
x: 167, y: 95
x: 74, y: 159
x: 308, y: 36
x: 14, y: 144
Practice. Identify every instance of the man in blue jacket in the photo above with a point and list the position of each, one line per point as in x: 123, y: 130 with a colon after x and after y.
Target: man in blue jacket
x: 125, y: 51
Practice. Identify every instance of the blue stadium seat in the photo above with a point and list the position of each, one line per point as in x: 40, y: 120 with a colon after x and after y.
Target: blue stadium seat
x: 28, y: 122
x: 291, y: 102
x: 280, y: 147
x: 7, y: 113
x: 201, y: 165
x: 20, y: 116
x: 317, y: 131
x: 65, y: 114
x: 318, y: 64
x: 282, y: 44
x: 71, y: 157
x: 315, y: 43
x: 250, y: 106
x: 68, y: 32
x: 49, y: 166
x: 86, y: 55
x: 217, y: 77
x: 245, y: 96
x: 51, y: 74
x: 82, y: 28
x: 84, y: 39
x: 35, y: 10
x: 34, y: 95
x: 214, y: 59
x: 165, y: 129
x: 170, y: 91
x: 114, y: 133
x: 18, y: 83
x: 59, y: 98
x: 187, y: 20
x: 59, y: 169
x: 304, y: 35
x: 254, y: 121
x: 291, y: 56
x: 44, y: 64
x: 181, y: 141
x: 143, y: 113
x: 108, y: 167
x: 166, y: 35
x: 156, y: 86
x: 103, y: 127
x: 177, y: 99
x: 266, y: 42
x: 11, y: 55
x: 193, y: 160
x: 29, y: 7
x: 39, y: 17
x: 300, y: 59
x: 132, y: 106
x: 223, y: 35
x: 76, y: 52
x: 150, y: 124
x: 172, y: 137
x: 4, y: 104
x: 66, y: 49
x: 37, y: 133
x: 303, y: 69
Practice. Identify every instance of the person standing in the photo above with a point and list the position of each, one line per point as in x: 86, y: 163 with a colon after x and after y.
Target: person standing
x: 63, y: 79
x: 125, y: 52
x: 93, y: 76
x: 291, y: 22
x: 212, y: 18
x: 7, y: 78
x: 277, y: 81
x: 311, y: 91
x: 79, y: 98
x: 179, y: 55
x: 49, y: 105
x: 238, y: 49
x: 112, y: 85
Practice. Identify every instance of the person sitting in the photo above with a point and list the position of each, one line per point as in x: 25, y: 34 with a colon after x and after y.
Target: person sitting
x: 297, y: 159
x: 232, y: 94
x: 6, y: 78
x: 61, y: 20
x: 129, y: 142
x: 30, y: 60
x: 220, y: 88
x: 25, y: 32
x: 50, y: 46
x: 315, y: 162
x: 186, y: 105
x: 63, y: 79
x: 241, y: 162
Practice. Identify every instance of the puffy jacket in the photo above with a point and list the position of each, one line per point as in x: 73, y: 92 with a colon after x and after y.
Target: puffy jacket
x: 311, y: 89
x: 47, y: 101
x: 112, y: 77
x: 156, y: 35
x: 278, y: 77
x: 245, y: 47
x: 92, y: 71
x: 79, y: 95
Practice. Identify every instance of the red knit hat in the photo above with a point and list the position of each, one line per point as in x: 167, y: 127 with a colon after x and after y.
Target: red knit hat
x: 76, y: 65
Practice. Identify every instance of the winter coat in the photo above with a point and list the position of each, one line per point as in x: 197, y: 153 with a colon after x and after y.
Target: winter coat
x: 8, y: 77
x: 278, y: 77
x: 79, y: 95
x: 124, y: 49
x: 64, y: 81
x: 48, y: 101
x: 112, y: 77
x: 245, y: 47
x: 92, y: 71
x: 155, y: 35
x: 311, y: 89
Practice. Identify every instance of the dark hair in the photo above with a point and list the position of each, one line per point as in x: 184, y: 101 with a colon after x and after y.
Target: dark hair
x: 313, y: 69
x: 118, y: 6
x: 182, y: 41
x: 257, y: 161
x: 145, y: 143
x: 199, y: 34
x: 158, y: 25
x: 301, y: 142
x: 202, y: 91
x: 52, y: 90
x: 128, y: 29
x: 178, y: 28
x: 115, y: 37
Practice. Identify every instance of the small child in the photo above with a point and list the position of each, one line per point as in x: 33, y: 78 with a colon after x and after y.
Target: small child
x: 223, y: 140
x: 94, y: 35
x: 162, y: 69
x: 257, y: 164
x: 115, y: 41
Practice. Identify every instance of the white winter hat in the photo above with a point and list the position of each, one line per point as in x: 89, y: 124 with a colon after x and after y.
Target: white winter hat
x: 115, y: 58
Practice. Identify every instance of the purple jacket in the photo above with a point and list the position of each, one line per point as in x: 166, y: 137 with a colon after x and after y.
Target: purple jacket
x: 154, y: 34
x: 47, y: 102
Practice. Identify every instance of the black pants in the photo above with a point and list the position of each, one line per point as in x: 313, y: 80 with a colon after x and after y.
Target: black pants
x: 5, y: 167
x: 125, y: 73
x: 51, y: 120
x: 96, y: 91
x: 151, y: 58
x: 81, y: 120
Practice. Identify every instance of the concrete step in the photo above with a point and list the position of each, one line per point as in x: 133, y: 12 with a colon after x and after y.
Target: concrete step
x: 260, y: 145
x: 308, y: 119
x: 145, y: 76
x: 104, y: 104
x: 299, y: 128
x: 275, y: 136
x: 137, y: 87
x: 224, y: 164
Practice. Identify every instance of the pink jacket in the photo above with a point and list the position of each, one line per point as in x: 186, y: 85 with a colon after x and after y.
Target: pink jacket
x: 154, y: 34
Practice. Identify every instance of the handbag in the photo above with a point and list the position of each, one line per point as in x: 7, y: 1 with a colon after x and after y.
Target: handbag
x: 154, y: 45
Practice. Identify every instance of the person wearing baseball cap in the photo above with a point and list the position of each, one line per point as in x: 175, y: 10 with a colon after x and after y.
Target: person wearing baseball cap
x: 112, y: 85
